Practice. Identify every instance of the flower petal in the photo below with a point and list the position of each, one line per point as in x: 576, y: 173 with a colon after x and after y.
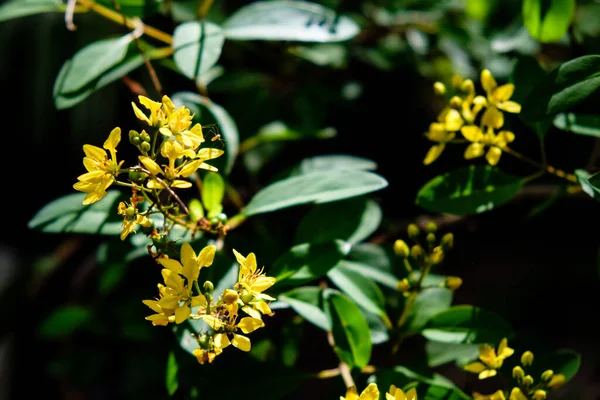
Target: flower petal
x: 182, y: 314
x: 241, y: 342
x: 206, y: 256
x: 171, y: 264
x: 474, y: 150
x: 503, y: 93
x: 221, y: 340
x: 249, y: 324
x: 475, y: 367
x: 151, y: 165
x: 493, y: 155
x: 487, y: 81
x: 472, y: 133
x: 509, y: 106
x: 113, y: 139
x: 371, y: 392
x: 434, y: 152
x: 488, y: 373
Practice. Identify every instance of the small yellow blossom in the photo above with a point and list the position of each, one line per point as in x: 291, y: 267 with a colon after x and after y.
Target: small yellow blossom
x: 371, y: 392
x: 397, y: 394
x: 498, y: 395
x: 129, y: 220
x: 479, y: 141
x: 442, y: 132
x: 156, y: 116
x: 225, y: 331
x: 517, y: 394
x: 497, y: 99
x: 177, y: 124
x: 490, y: 361
x: 254, y: 282
x: 101, y: 169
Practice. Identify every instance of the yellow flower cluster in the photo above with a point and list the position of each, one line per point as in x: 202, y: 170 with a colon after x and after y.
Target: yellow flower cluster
x: 490, y: 359
x: 463, y: 114
x: 176, y: 299
x: 371, y: 392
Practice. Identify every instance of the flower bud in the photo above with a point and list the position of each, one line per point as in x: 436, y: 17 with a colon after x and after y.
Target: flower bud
x: 222, y: 217
x: 447, y: 241
x: 455, y: 102
x: 413, y: 231
x: 148, y: 227
x: 229, y: 296
x: 439, y: 88
x: 430, y: 238
x: 134, y: 134
x: 403, y: 285
x: 401, y: 248
x: 557, y: 381
x: 136, y: 140
x: 547, y: 375
x: 130, y: 212
x: 527, y: 380
x: 527, y: 359
x: 452, y: 282
x: 145, y: 147
x: 208, y: 287
x: 137, y: 176
x: 539, y: 395
x: 417, y: 253
x: 518, y: 373
x: 438, y: 255
x: 145, y: 136
x: 247, y: 297
x: 431, y: 227
x: 467, y: 86
x: 204, y: 341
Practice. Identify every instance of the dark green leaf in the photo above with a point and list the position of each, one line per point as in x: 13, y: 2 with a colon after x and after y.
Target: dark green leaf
x: 468, y: 190
x: 307, y: 302
x: 439, y: 353
x: 171, y: 381
x: 134, y: 8
x: 467, y: 324
x: 582, y: 124
x: 197, y: 47
x: 22, y: 8
x: 332, y: 55
x: 590, y: 184
x: 315, y: 187
x: 334, y: 162
x: 306, y: 262
x: 563, y: 361
x: 352, y: 220
x: 213, y: 189
x: 68, y: 214
x: 432, y: 386
x: 563, y: 88
x: 64, y: 321
x: 371, y: 271
x: 427, y: 304
x: 349, y: 328
x: 288, y: 20
x: 548, y: 21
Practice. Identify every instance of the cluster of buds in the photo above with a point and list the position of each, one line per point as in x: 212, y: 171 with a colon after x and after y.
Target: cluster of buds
x: 478, y: 118
x: 177, y: 301
x: 422, y: 256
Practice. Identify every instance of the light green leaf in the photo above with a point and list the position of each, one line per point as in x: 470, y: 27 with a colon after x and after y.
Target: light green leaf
x: 307, y: 302
x: 333, y: 55
x: 468, y: 190
x: 92, y: 61
x: 439, y: 353
x: 563, y: 88
x: 197, y: 46
x: 171, y: 381
x: 590, y: 184
x: 333, y: 162
x: 371, y: 271
x: 427, y: 304
x: 581, y: 124
x: 349, y: 328
x: 64, y: 321
x: 548, y: 21
x: 226, y: 124
x: 306, y: 262
x: 352, y: 220
x: 289, y: 20
x: 315, y: 187
x: 68, y: 214
x: 22, y: 8
x: 467, y: 324
x: 213, y: 189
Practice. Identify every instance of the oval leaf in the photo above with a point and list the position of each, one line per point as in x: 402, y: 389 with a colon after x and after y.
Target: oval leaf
x: 563, y: 88
x: 307, y: 302
x: 349, y: 328
x: 68, y: 214
x: 197, y: 47
x: 171, y: 381
x: 315, y: 187
x: 351, y: 220
x: 370, y: 270
x: 22, y: 8
x: 333, y: 162
x: 439, y: 353
x: 469, y: 190
x: 467, y: 324
x: 213, y: 189
x: 548, y: 21
x: 64, y: 321
x: 427, y: 304
x: 590, y: 184
x: 580, y: 124
x: 289, y: 20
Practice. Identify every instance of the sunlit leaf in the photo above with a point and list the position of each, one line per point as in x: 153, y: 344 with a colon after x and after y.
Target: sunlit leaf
x: 213, y: 190
x: 171, y: 381
x: 197, y: 46
x: 581, y: 124
x: 22, y: 8
x: 590, y: 184
x: 439, y: 353
x: 548, y: 21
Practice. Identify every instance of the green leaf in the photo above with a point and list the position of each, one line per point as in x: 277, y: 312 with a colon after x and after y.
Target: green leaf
x: 439, y: 353
x: 362, y: 290
x: 307, y: 302
x: 548, y: 21
x: 171, y: 381
x: 22, y: 8
x: 213, y: 189
x: 563, y: 361
x: 371, y: 271
x: 288, y: 20
x: 467, y: 324
x: 134, y: 8
x: 68, y: 214
x: 227, y: 125
x: 277, y: 131
x: 468, y: 190
x: 197, y: 46
x: 590, y: 184
x: 92, y: 61
x: 563, y: 88
x: 427, y: 304
x: 333, y: 162
x: 432, y: 386
x: 349, y: 328
x: 315, y: 187
x: 352, y: 220
x: 306, y: 262
x: 581, y: 124
x: 334, y: 55
x: 63, y: 321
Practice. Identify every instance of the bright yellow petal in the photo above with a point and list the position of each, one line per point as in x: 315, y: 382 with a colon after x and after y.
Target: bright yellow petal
x: 178, y: 183
x: 436, y: 132
x: 113, y: 139
x: 249, y: 324
x: 475, y: 367
x: 433, y: 154
x: 221, y: 340
x: 239, y: 257
x: 139, y: 114
x: 503, y: 93
x: 492, y: 117
x: 509, y: 106
x: 251, y: 312
x: 487, y: 81
x: 168, y: 302
x: 505, y: 137
x: 127, y: 229
x: 474, y: 150
x: 190, y: 168
x: 151, y: 165
x: 187, y: 253
x: 182, y: 314
x: 472, y: 133
x: 493, y: 155
x: 351, y: 394
x: 262, y: 307
x: 411, y: 394
x: 453, y: 120
x: 241, y: 342
x: 171, y: 264
x: 503, y: 350
x: 209, y: 153
x: 371, y: 392
x: 262, y: 283
x: 94, y: 152
x: 516, y: 394
x: 208, y: 167
x: 212, y: 322
x: 488, y: 373
x: 94, y: 197
x: 199, y: 300
x: 153, y: 304
x: 206, y: 256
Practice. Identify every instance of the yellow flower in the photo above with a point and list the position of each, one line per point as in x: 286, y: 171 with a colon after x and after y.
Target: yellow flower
x: 177, y: 124
x: 479, y: 140
x: 499, y: 395
x: 156, y: 116
x: 225, y: 332
x: 371, y: 392
x: 442, y: 132
x: 516, y: 394
x: 101, y: 169
x: 497, y: 99
x: 253, y: 282
x: 130, y: 219
x: 489, y: 360
x: 397, y: 394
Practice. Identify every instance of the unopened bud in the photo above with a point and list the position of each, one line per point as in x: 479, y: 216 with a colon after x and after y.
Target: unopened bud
x: 455, y: 102
x: 431, y: 227
x: 456, y: 80
x: 557, y: 381
x: 208, y: 287
x: 547, y: 375
x: 417, y: 253
x: 134, y: 134
x: 430, y: 238
x: 204, y: 341
x: 518, y: 373
x: 401, y: 248
x: 413, y: 231
x: 403, y: 285
x: 453, y: 282
x: 438, y: 255
x: 527, y: 359
x: 439, y: 88
x: 467, y: 86
x: 246, y: 297
x: 145, y: 136
x: 145, y: 147
x: 527, y: 380
x: 229, y: 296
x: 539, y: 395
x: 447, y: 241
